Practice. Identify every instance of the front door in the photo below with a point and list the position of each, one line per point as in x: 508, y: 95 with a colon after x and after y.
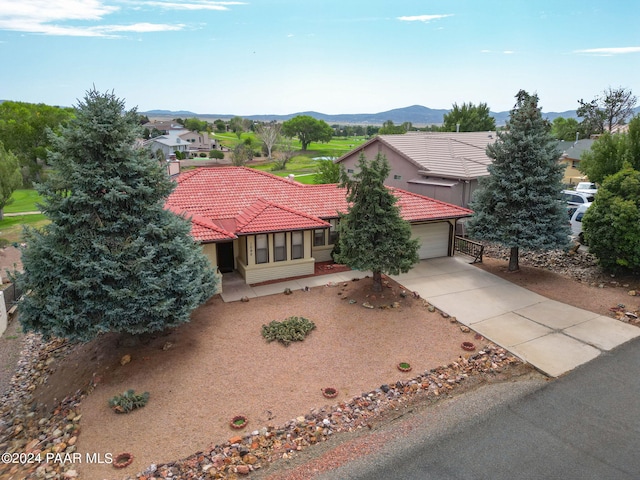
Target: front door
x: 224, y: 252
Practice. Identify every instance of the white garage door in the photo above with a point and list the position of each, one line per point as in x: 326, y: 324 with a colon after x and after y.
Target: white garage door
x: 434, y: 239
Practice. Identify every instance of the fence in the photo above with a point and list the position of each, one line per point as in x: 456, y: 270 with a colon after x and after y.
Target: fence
x: 11, y: 296
x: 469, y: 247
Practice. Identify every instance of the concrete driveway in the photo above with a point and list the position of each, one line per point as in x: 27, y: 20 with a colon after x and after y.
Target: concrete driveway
x: 552, y: 336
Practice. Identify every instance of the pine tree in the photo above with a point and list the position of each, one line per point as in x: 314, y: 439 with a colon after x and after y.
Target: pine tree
x: 518, y: 205
x: 372, y: 234
x: 112, y: 259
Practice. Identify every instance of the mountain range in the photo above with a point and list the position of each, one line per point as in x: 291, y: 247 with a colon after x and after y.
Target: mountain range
x: 416, y: 114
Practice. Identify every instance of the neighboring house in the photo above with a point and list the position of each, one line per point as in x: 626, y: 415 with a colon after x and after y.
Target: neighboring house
x: 185, y: 141
x: 163, y: 126
x: 268, y: 227
x: 445, y: 166
x: 571, y: 153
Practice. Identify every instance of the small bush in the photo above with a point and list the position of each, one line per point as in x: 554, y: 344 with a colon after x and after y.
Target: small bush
x: 293, y: 329
x: 216, y: 154
x: 202, y: 155
x: 128, y: 401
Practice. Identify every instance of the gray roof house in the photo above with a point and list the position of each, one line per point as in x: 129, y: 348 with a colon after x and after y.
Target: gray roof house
x: 186, y: 141
x: 441, y: 165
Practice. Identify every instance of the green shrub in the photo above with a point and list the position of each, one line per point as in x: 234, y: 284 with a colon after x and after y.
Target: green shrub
x: 216, y: 154
x: 293, y: 329
x: 128, y: 401
x: 202, y: 155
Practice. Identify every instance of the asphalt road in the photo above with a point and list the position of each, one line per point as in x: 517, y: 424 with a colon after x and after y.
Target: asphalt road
x: 584, y: 425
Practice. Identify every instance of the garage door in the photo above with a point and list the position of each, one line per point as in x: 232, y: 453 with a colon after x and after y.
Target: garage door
x: 434, y: 239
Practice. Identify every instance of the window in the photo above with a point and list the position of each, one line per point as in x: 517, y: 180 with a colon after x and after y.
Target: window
x: 279, y: 247
x: 318, y: 237
x: 349, y: 170
x: 297, y: 247
x: 333, y: 231
x: 262, y: 249
x: 397, y: 177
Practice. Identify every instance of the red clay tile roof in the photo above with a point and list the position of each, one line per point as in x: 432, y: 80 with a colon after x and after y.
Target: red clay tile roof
x: 251, y: 199
x: 202, y: 229
x: 263, y: 216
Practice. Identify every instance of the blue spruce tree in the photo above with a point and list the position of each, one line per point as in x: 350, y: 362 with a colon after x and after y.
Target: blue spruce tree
x: 112, y: 259
x: 518, y: 205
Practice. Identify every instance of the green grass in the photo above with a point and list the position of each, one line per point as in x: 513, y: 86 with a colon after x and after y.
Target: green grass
x: 23, y: 201
x: 11, y: 227
x: 304, y: 163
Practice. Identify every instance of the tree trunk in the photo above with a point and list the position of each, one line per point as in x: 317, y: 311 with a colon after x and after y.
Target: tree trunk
x: 514, y: 266
x: 377, y: 282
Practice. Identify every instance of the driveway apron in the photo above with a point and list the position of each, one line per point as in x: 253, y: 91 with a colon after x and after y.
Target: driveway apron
x: 553, y: 337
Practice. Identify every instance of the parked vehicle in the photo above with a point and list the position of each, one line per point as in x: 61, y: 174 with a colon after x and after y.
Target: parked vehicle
x: 576, y: 198
x: 576, y: 220
x: 587, y: 187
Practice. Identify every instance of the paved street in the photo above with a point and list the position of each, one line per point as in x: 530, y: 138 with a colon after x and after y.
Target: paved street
x: 584, y: 425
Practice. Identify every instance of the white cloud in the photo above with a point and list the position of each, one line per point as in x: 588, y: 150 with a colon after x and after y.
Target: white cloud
x: 508, y: 52
x: 609, y: 51
x: 50, y: 17
x: 423, y: 18
x: 143, y: 27
x: 193, y: 5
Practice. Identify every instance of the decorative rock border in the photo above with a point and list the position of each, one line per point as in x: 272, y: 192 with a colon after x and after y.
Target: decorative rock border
x: 246, y: 452
x: 122, y: 460
x: 238, y: 422
x: 468, y: 346
x: 329, y: 392
x: 404, y: 367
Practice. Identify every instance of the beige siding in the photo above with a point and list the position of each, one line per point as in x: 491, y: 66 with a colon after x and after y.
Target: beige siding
x: 322, y: 254
x: 256, y: 273
x: 277, y: 270
x: 209, y: 249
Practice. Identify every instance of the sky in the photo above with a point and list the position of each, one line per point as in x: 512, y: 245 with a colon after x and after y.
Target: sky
x: 330, y: 56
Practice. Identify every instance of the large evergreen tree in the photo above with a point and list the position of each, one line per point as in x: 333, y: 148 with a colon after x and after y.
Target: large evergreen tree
x: 518, y: 204
x: 372, y: 234
x: 112, y: 259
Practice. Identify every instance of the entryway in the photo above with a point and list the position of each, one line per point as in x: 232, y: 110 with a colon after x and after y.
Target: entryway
x: 224, y: 252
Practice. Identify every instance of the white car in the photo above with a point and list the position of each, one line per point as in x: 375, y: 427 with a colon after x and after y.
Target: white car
x: 587, y: 187
x: 576, y: 220
x: 576, y: 198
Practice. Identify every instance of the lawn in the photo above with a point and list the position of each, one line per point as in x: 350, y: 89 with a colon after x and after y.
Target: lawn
x: 11, y: 227
x: 303, y: 165
x: 23, y: 201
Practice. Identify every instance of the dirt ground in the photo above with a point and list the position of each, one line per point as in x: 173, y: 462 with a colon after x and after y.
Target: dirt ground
x: 202, y: 374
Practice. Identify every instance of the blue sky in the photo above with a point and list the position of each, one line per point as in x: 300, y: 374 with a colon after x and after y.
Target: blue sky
x: 347, y: 56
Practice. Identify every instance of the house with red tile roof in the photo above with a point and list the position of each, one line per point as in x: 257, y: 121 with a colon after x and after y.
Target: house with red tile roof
x: 268, y: 227
x: 441, y: 165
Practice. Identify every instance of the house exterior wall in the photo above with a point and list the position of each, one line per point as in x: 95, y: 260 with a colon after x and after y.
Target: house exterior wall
x: 398, y: 165
x: 402, y: 170
x: 459, y: 194
x: 211, y: 252
x: 197, y: 140
x: 261, y: 272
x: 571, y: 173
